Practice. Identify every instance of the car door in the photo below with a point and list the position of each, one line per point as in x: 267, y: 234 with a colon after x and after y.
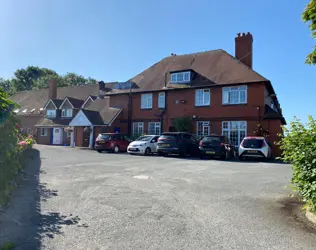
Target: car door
x: 153, y: 144
x: 125, y: 142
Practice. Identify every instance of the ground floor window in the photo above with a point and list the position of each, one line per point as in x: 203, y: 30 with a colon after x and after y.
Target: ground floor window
x: 235, y: 131
x: 138, y: 128
x: 43, y: 131
x: 154, y: 128
x: 202, y: 128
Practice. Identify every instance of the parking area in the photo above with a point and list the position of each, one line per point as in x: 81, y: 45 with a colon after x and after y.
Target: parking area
x: 90, y: 200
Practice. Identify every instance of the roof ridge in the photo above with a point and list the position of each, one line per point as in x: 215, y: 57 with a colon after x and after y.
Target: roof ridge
x: 195, y: 53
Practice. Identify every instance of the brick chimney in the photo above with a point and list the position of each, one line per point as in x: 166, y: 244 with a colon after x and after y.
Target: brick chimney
x: 243, y: 48
x: 52, y: 85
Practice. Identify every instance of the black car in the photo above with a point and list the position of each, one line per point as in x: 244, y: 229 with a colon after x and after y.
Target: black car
x: 216, y: 146
x: 180, y: 143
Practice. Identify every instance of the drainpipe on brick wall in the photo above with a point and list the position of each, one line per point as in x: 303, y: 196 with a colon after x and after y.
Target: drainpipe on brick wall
x: 129, y: 114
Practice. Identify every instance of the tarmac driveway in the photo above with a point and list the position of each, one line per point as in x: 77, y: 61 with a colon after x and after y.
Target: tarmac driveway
x: 79, y: 199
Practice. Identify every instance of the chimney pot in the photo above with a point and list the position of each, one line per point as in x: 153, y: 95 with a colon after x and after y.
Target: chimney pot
x: 52, y: 89
x: 238, y: 34
x: 243, y: 48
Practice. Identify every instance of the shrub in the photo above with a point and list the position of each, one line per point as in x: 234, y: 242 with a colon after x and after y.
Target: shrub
x: 183, y: 124
x: 299, y: 148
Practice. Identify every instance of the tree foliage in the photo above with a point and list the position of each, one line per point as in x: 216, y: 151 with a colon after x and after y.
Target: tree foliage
x: 34, y: 77
x: 183, y: 124
x: 309, y: 16
x: 299, y: 149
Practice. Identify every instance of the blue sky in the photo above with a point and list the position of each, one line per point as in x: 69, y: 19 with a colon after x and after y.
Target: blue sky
x: 115, y: 40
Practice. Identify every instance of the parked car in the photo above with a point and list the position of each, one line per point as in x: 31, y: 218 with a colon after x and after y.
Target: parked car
x: 254, y: 147
x: 146, y: 144
x: 111, y: 142
x: 216, y: 146
x: 180, y: 143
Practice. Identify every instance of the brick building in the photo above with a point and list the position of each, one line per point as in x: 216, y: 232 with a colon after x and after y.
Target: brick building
x: 217, y: 92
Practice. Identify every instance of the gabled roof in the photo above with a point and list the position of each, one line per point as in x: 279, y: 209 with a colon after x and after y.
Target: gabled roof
x: 211, y: 67
x: 36, y: 99
x: 75, y: 103
x: 45, y: 122
x: 271, y: 114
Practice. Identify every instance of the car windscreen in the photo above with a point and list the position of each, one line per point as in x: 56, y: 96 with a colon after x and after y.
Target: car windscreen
x: 252, y: 143
x: 144, y: 138
x: 104, y: 137
x: 169, y: 137
x: 214, y: 140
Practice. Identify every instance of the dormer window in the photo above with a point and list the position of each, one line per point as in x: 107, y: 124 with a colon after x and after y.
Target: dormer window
x: 181, y: 77
x: 51, y: 113
x: 66, y: 113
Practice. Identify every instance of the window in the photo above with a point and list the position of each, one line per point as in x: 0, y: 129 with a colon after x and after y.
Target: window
x: 202, y: 97
x: 147, y: 101
x: 51, y: 113
x: 235, y: 131
x: 161, y: 100
x: 69, y: 134
x: 154, y: 128
x: 181, y: 77
x: 235, y: 95
x: 43, y: 131
x: 138, y: 128
x: 66, y: 113
x: 202, y: 128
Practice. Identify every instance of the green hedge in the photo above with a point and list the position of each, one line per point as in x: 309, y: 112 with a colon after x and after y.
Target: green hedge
x: 299, y: 149
x: 10, y: 152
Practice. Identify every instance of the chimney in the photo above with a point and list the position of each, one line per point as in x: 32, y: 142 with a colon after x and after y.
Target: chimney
x: 52, y: 85
x: 101, y: 89
x: 243, y: 48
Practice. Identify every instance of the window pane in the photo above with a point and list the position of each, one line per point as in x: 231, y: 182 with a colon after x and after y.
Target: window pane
x: 173, y: 77
x: 242, y: 96
x: 233, y: 97
x: 206, y: 98
x: 225, y: 95
x: 225, y: 125
x: 180, y: 77
x: 243, y: 87
x: 187, y: 76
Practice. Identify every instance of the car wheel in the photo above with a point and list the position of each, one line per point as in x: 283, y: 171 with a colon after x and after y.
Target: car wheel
x: 116, y: 149
x: 99, y: 151
x: 147, y: 151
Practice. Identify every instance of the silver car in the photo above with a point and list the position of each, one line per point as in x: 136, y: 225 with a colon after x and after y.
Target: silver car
x: 254, y: 147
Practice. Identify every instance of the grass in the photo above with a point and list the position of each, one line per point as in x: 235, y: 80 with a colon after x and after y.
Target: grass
x: 7, y: 246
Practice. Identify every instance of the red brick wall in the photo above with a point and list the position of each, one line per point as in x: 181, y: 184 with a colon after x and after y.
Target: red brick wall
x: 43, y: 139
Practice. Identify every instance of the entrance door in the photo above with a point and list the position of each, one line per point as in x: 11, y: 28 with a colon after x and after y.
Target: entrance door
x: 57, y: 136
x: 86, y: 139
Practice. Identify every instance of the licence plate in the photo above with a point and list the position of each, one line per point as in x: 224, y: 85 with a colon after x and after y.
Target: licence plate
x: 210, y: 152
x: 165, y: 145
x: 132, y: 149
x: 101, y: 142
x: 253, y: 151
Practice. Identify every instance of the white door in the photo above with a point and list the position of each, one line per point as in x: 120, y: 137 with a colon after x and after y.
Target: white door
x: 58, y: 136
x: 153, y: 144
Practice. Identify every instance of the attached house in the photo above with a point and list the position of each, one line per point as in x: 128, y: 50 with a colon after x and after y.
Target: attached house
x: 217, y: 92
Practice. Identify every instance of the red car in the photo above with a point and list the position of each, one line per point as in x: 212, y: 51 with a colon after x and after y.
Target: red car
x: 111, y: 142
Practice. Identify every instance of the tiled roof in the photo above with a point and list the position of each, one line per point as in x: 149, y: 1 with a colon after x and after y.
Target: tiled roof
x: 36, y: 99
x: 45, y: 122
x: 211, y: 67
x: 77, y: 103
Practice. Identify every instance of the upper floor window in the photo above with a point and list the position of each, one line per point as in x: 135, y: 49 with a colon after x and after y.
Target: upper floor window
x: 235, y: 95
x: 180, y: 77
x: 66, y: 113
x: 51, y: 113
x: 202, y: 97
x: 161, y: 100
x: 147, y: 101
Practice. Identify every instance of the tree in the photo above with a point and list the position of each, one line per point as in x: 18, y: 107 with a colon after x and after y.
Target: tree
x: 183, y: 124
x: 309, y: 16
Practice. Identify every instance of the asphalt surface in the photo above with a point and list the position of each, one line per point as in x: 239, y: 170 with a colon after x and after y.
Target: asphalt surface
x: 80, y: 199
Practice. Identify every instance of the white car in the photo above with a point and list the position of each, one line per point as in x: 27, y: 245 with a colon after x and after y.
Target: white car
x: 254, y: 147
x: 146, y: 145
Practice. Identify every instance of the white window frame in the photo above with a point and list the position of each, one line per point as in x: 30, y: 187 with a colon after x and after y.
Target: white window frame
x: 204, y: 101
x: 156, y: 128
x: 185, y: 75
x: 229, y: 129
x: 69, y: 133
x: 227, y: 92
x: 161, y: 100
x: 51, y: 113
x: 44, y: 131
x: 138, y: 128
x: 203, y: 124
x: 66, y: 113
x: 146, y: 101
